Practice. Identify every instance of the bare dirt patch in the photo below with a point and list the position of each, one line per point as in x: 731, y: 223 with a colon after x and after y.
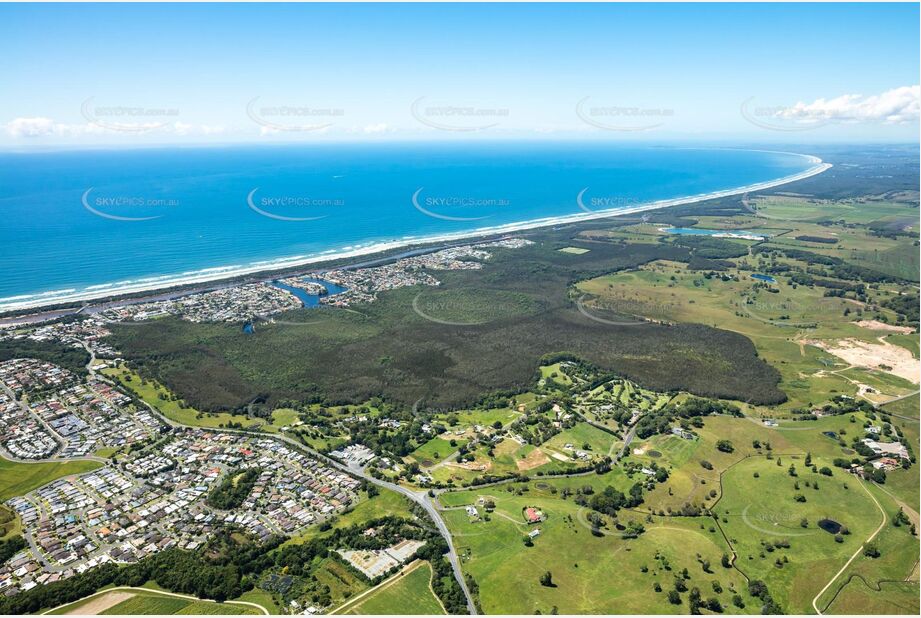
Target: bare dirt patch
x: 506, y: 447
x: 101, y: 604
x: 475, y: 466
x: 877, y: 325
x: 534, y: 459
x: 881, y: 356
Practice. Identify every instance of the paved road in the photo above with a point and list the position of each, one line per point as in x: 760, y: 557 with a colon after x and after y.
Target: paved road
x: 94, y: 306
x: 419, y: 497
x: 908, y: 418
x: 422, y: 499
x: 627, y: 440
x: 631, y: 433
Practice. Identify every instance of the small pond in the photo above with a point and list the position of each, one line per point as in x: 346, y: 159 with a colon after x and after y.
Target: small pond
x: 830, y: 526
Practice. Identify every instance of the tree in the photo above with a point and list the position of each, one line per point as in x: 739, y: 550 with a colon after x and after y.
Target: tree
x: 724, y: 446
x: 694, y: 601
x: 871, y: 550
x: 674, y: 598
x: 725, y: 561
x: 547, y: 580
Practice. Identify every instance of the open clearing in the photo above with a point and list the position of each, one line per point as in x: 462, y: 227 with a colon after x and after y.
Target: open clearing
x: 777, y: 321
x: 890, y: 358
x: 145, y: 601
x: 100, y: 604
x: 877, y: 325
x: 18, y: 479
x: 508, y: 573
x: 408, y: 593
x: 762, y: 512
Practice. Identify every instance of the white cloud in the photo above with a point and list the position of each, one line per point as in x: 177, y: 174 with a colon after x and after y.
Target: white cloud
x: 896, y: 106
x: 380, y: 127
x: 39, y: 126
x: 30, y: 127
x: 180, y: 128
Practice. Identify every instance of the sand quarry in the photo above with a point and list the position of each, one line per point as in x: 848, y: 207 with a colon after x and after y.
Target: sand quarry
x: 882, y: 356
x: 877, y: 325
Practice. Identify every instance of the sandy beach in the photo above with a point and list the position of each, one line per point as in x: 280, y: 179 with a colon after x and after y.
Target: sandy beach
x: 209, y: 275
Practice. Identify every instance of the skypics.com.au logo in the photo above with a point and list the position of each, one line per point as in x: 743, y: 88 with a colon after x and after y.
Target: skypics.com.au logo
x: 128, y: 118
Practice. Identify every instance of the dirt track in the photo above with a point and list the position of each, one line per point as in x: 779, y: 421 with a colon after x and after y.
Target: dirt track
x: 101, y: 604
x: 897, y: 360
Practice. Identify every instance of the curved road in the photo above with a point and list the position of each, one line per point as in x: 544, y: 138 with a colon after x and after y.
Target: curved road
x: 419, y: 497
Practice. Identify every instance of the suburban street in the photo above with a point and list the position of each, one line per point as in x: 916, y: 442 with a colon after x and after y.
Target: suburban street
x: 419, y: 497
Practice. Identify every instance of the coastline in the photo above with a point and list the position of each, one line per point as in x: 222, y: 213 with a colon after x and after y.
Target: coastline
x: 117, y: 290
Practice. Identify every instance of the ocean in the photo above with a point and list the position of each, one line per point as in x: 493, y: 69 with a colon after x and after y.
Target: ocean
x: 83, y: 224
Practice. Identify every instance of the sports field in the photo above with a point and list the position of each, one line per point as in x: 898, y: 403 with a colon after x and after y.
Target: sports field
x: 887, y: 584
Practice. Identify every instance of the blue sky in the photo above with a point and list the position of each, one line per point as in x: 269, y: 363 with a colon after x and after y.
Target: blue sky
x: 146, y: 74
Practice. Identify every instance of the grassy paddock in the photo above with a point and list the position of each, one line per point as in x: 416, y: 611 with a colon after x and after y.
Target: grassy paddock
x: 18, y: 479
x: 407, y: 594
x: 591, y: 574
x: 145, y: 602
x: 763, y: 510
